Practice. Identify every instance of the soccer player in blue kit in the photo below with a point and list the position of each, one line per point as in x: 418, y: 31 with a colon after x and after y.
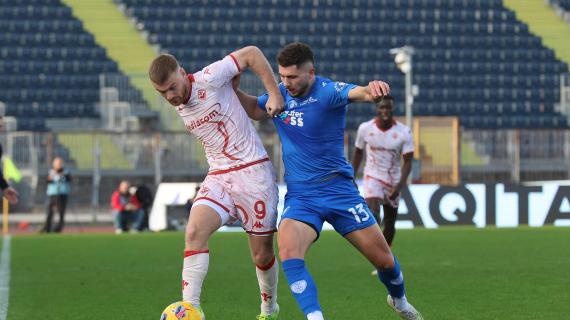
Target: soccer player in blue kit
x: 320, y: 185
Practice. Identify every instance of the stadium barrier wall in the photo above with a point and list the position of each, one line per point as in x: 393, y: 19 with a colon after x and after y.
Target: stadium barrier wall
x: 433, y: 206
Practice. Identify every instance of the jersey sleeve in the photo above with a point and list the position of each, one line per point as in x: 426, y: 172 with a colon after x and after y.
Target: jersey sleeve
x: 262, y: 100
x: 359, y: 142
x: 408, y: 143
x: 221, y: 72
x: 338, y: 93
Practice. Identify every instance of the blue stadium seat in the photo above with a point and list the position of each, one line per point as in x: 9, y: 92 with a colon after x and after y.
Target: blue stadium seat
x: 472, y: 56
x: 31, y: 124
x: 563, y: 4
x: 49, y: 66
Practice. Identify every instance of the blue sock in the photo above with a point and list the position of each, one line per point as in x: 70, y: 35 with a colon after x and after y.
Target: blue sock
x: 393, y: 280
x: 302, y: 285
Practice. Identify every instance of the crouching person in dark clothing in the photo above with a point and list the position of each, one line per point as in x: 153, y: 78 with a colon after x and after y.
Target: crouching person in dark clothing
x: 127, y: 211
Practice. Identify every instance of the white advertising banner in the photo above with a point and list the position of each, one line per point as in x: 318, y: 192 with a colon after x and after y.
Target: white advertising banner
x: 484, y: 205
x: 168, y: 194
x: 431, y: 206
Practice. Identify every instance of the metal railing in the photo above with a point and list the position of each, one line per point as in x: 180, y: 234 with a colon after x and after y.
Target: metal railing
x: 99, y: 160
x: 515, y: 155
x: 565, y: 94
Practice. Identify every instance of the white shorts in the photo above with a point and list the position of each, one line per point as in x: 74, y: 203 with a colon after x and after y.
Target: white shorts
x: 377, y: 188
x: 248, y: 194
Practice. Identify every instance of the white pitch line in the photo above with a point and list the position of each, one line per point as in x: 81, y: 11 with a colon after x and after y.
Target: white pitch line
x: 4, y: 277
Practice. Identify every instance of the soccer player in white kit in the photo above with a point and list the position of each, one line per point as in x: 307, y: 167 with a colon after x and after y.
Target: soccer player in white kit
x: 386, y: 141
x: 241, y: 182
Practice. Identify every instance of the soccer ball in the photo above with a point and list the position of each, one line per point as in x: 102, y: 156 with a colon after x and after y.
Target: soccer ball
x: 180, y: 311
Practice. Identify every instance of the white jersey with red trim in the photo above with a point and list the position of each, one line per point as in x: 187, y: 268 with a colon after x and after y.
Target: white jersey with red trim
x: 384, y: 149
x: 216, y: 117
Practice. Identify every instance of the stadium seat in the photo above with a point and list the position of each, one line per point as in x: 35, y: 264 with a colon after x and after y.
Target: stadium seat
x: 49, y: 65
x: 471, y: 55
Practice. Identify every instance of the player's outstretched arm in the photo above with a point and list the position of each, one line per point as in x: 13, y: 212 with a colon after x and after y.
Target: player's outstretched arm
x: 252, y: 58
x: 374, y: 92
x: 249, y: 103
x: 11, y: 194
x: 406, y: 169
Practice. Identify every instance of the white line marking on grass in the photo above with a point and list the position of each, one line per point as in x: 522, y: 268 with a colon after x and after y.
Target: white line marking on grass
x: 4, y: 277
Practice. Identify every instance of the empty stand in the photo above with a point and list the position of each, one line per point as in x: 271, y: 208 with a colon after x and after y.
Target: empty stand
x: 473, y: 59
x: 49, y: 65
x: 563, y: 4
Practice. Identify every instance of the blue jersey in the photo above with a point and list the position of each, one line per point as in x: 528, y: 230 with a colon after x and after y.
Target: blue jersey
x: 311, y: 129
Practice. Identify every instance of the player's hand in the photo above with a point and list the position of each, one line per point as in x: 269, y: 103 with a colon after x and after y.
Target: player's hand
x: 275, y: 104
x: 378, y: 89
x: 11, y: 194
x: 395, y: 192
x: 235, y: 82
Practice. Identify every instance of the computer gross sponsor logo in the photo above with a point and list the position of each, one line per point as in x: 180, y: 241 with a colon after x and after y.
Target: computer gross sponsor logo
x: 294, y: 118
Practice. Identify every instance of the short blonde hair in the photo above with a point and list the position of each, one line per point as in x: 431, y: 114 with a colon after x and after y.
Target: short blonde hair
x: 162, y: 67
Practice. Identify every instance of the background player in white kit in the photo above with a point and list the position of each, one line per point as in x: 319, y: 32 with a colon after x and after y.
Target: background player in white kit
x: 386, y: 141
x: 241, y: 183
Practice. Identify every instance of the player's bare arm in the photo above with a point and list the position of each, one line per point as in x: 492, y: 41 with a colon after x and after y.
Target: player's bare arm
x: 248, y: 102
x: 374, y: 92
x: 406, y: 169
x: 11, y: 194
x: 252, y: 58
x: 357, y: 159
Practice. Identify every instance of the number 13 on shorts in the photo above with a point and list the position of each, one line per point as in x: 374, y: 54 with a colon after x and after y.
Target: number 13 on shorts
x: 360, y: 213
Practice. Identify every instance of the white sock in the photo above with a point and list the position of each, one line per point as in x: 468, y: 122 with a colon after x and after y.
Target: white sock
x: 193, y: 274
x: 315, y: 315
x: 267, y: 276
x: 401, y: 303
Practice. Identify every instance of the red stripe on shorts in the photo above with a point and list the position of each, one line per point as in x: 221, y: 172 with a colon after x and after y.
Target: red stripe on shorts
x: 214, y: 201
x: 242, y: 166
x: 379, y: 180
x: 261, y: 233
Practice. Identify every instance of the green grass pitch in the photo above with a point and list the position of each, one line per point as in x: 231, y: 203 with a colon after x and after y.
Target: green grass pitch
x: 451, y: 273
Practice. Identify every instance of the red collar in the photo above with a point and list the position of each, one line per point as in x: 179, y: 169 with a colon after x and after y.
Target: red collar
x: 190, y: 79
x: 377, y: 123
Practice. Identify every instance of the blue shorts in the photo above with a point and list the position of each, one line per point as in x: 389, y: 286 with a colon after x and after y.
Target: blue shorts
x: 336, y: 201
